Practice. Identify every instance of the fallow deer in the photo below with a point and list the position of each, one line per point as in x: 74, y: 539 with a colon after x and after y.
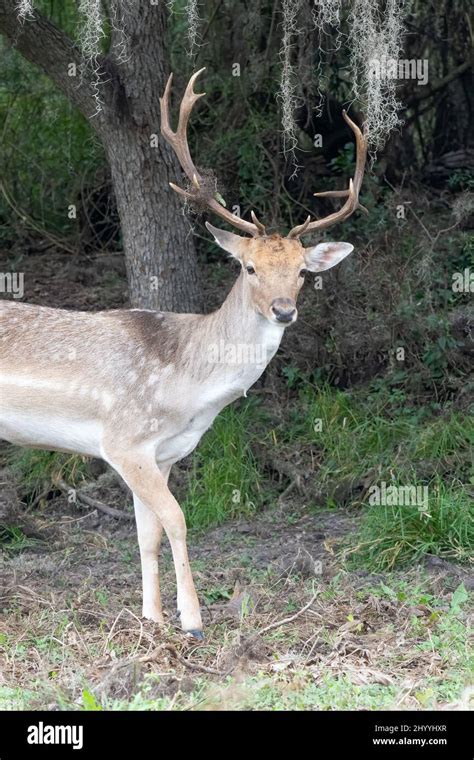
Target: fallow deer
x: 139, y: 388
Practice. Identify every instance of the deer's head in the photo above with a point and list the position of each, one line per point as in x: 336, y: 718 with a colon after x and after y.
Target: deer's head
x: 273, y: 266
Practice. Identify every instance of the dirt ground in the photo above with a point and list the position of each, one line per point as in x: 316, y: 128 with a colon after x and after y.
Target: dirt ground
x: 276, y: 604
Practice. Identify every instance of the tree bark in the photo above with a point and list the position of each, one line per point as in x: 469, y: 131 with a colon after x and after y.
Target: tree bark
x: 161, y: 263
x: 158, y: 245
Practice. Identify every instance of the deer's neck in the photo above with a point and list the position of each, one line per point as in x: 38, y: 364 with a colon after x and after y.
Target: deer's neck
x: 239, y: 323
x: 236, y: 341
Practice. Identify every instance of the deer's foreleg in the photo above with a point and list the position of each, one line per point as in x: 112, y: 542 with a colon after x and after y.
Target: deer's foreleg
x: 150, y: 488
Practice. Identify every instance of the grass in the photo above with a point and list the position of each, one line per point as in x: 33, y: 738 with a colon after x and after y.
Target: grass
x: 37, y: 470
x: 14, y: 540
x: 397, y: 535
x: 365, y: 440
x: 399, y: 640
x: 290, y: 683
x: 354, y: 439
x: 225, y: 481
x: 354, y: 432
x: 395, y: 644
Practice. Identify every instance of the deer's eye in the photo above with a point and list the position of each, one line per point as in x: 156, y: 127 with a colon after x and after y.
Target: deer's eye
x: 303, y: 272
x: 250, y: 269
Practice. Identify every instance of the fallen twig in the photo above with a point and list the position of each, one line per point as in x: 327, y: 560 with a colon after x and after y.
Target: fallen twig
x: 290, y: 619
x: 88, y: 501
x: 182, y: 660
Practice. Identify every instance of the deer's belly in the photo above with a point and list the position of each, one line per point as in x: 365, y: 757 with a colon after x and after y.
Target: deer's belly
x: 50, y: 431
x: 49, y: 414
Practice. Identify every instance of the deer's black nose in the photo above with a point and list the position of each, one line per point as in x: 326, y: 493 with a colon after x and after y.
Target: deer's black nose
x: 284, y: 309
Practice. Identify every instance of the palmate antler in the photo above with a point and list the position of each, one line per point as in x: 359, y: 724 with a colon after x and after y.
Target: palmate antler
x: 179, y: 142
x: 352, y: 194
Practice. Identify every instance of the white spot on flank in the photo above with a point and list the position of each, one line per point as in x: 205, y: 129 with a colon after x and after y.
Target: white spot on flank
x: 107, y: 400
x: 153, y: 379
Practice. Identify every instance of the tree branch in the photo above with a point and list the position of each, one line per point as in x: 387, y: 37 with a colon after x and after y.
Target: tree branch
x: 44, y: 44
x: 89, y: 502
x: 427, y: 92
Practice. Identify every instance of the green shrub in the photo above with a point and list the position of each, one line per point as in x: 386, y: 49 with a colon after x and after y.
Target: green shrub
x: 225, y: 481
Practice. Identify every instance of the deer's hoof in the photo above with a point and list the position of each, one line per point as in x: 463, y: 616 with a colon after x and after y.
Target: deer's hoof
x: 196, y: 634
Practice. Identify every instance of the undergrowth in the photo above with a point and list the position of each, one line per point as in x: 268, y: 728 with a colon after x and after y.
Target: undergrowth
x: 37, y: 471
x: 225, y: 481
x: 357, y: 440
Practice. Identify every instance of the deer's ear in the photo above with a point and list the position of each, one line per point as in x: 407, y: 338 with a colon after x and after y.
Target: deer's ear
x: 326, y: 255
x: 230, y: 242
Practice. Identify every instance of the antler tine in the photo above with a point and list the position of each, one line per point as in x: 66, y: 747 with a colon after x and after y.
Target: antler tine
x: 257, y: 223
x: 301, y: 228
x: 179, y: 143
x: 332, y: 194
x: 178, y: 140
x: 361, y: 146
x: 186, y: 106
x: 352, y: 193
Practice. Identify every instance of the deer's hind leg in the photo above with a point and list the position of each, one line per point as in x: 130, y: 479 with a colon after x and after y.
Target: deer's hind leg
x: 149, y: 532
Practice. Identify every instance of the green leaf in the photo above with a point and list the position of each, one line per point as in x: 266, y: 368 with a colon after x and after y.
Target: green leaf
x: 90, y: 702
x: 424, y: 697
x: 387, y: 590
x: 459, y: 597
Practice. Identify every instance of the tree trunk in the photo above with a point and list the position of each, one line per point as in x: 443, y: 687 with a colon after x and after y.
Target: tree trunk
x: 161, y: 260
x: 159, y: 251
x: 158, y: 245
